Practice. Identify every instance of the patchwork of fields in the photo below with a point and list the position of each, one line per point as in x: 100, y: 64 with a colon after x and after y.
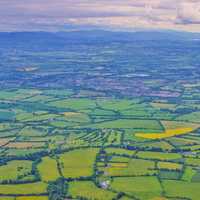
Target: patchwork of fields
x: 65, y: 144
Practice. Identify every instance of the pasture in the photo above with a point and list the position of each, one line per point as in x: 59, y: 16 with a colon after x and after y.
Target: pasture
x: 95, y: 147
x: 87, y: 189
x: 73, y: 166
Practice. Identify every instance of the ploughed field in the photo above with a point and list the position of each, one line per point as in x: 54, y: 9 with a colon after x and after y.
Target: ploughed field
x: 80, y: 144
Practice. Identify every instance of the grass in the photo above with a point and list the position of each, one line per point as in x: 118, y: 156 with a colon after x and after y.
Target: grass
x: 178, y: 124
x: 13, y: 170
x: 181, y: 189
x: 188, y: 174
x: 165, y: 134
x: 25, y: 145
x: 39, y: 98
x: 21, y: 152
x: 169, y: 166
x: 135, y: 167
x: 191, y: 117
x: 7, y: 126
x: 128, y: 123
x: 191, y: 148
x: 120, y: 159
x: 7, y: 198
x: 8, y: 133
x: 88, y: 190
x: 23, y: 189
x: 7, y: 115
x: 125, y: 198
x: 133, y: 112
x: 74, y: 104
x: 158, y: 155
x: 62, y: 124
x: 58, y: 93
x: 178, y: 141
x: 163, y: 105
x: 192, y: 162
x: 196, y: 177
x: 34, y: 117
x: 76, y: 117
x: 119, y: 151
x: 50, y: 121
x: 32, y: 132
x: 13, y: 95
x: 43, y: 168
x: 32, y: 198
x: 114, y: 138
x: 78, y: 163
x: 100, y: 112
x: 163, y: 145
x: 113, y: 104
x: 166, y: 174
x: 134, y: 186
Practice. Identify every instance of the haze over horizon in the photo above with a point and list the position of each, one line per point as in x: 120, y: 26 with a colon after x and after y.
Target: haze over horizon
x: 126, y: 15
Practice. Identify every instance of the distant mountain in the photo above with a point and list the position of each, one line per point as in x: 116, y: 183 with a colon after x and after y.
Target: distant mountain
x: 100, y: 34
x: 45, y: 39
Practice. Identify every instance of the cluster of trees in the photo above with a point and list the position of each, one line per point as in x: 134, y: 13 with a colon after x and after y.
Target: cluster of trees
x: 57, y: 190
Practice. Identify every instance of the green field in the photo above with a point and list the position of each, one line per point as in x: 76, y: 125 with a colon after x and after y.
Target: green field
x: 28, y: 188
x: 32, y: 198
x: 48, y: 175
x: 74, y: 104
x: 119, y: 151
x: 76, y: 146
x: 158, y: 155
x: 135, y: 186
x: 87, y: 189
x: 128, y: 124
x: 15, y: 170
x: 134, y: 167
x: 73, y: 166
x: 182, y: 189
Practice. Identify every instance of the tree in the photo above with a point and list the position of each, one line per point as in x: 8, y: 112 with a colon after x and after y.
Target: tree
x: 57, y: 190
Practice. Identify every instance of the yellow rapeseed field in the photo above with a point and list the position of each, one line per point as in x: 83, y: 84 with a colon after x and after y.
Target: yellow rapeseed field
x: 166, y: 134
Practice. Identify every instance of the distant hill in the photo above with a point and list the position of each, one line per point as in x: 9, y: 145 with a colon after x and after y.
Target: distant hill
x: 47, y: 40
x: 96, y: 35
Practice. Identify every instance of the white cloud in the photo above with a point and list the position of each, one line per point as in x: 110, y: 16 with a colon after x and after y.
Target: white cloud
x: 113, y: 14
x: 189, y: 13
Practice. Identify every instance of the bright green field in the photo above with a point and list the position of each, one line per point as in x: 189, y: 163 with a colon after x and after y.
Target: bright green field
x: 78, y: 163
x: 13, y: 170
x: 119, y: 151
x: 32, y: 198
x: 182, y: 189
x: 48, y: 169
x: 87, y: 189
x: 74, y: 104
x: 28, y: 188
x: 145, y: 187
x: 134, y: 167
x: 158, y: 155
x: 7, y: 198
x: 127, y: 123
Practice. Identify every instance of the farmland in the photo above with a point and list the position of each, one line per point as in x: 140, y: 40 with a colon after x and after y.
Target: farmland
x: 123, y: 129
x: 95, y: 155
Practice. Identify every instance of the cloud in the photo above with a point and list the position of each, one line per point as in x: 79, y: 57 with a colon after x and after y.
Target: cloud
x: 189, y: 13
x: 51, y: 15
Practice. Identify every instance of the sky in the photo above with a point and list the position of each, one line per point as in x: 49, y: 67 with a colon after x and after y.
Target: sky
x: 124, y: 15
